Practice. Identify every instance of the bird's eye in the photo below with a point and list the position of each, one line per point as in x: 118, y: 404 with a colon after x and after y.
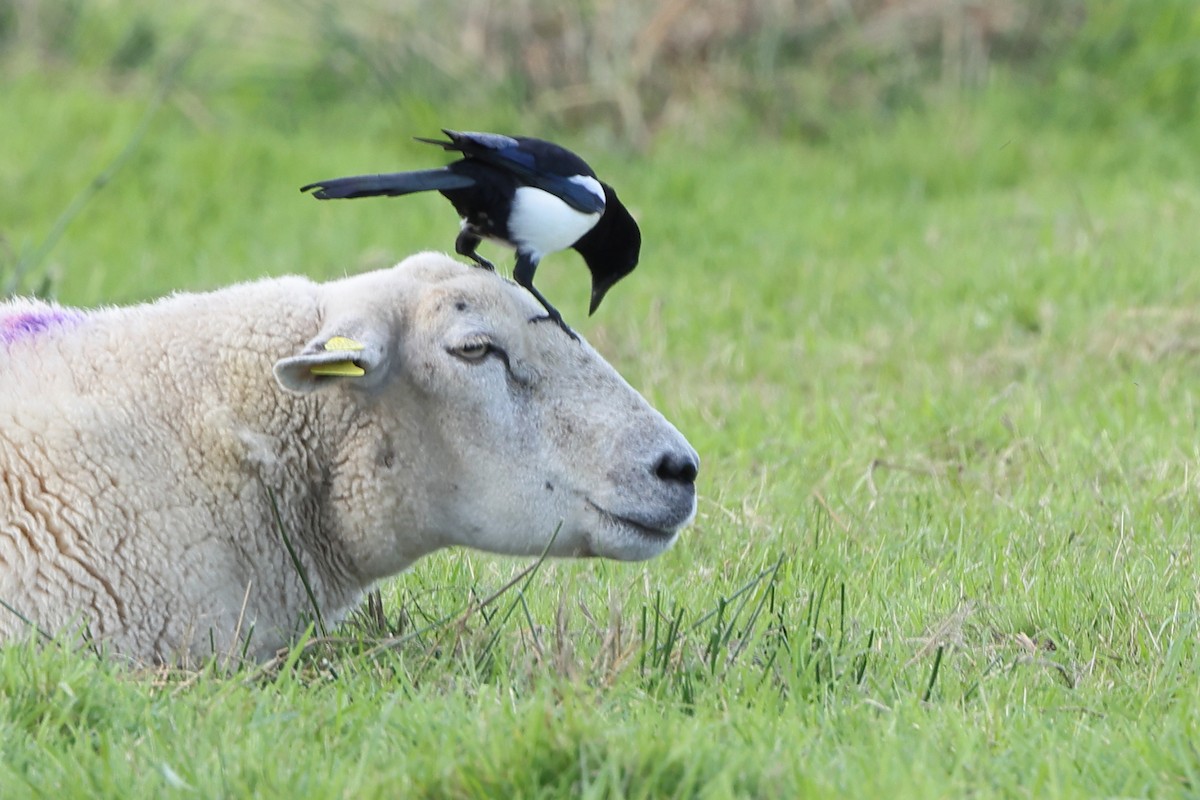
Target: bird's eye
x: 472, y: 351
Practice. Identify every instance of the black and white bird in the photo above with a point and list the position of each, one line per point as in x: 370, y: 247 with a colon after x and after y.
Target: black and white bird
x: 528, y: 194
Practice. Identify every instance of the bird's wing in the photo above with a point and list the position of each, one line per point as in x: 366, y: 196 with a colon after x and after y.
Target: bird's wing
x: 391, y: 184
x: 515, y: 157
x: 576, y: 195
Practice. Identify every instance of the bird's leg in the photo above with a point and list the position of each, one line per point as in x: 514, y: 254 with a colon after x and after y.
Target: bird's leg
x: 523, y: 275
x: 465, y: 245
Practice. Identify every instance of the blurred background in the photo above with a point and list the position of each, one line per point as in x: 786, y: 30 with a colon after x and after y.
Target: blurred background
x: 137, y: 121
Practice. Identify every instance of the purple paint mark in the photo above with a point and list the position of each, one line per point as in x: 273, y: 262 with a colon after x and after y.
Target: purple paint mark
x: 22, y: 324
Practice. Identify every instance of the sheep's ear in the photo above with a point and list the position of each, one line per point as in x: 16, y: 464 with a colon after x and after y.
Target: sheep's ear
x: 333, y: 358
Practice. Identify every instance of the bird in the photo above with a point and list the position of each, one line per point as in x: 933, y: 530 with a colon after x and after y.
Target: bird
x: 528, y: 194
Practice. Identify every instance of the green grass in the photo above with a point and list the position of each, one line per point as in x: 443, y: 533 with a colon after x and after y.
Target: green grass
x: 942, y: 377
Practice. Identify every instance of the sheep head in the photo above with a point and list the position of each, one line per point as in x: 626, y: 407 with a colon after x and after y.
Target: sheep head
x: 461, y: 421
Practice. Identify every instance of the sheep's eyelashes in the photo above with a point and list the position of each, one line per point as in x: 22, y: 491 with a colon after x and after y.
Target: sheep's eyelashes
x: 477, y: 352
x: 473, y: 351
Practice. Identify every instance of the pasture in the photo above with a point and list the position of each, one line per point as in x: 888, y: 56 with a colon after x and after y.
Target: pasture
x: 941, y: 370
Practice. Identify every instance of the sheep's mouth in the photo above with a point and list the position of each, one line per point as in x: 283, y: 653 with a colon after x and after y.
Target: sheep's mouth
x: 641, y: 527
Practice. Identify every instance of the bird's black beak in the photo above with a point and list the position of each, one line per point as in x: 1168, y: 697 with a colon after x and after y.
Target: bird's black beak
x: 598, y: 292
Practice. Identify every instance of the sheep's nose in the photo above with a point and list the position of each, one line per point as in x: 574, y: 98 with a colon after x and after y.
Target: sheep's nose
x: 677, y: 467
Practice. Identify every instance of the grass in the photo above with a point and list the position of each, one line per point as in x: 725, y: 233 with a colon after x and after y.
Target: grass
x: 941, y: 377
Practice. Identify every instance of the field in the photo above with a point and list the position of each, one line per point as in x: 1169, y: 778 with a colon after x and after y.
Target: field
x: 940, y: 367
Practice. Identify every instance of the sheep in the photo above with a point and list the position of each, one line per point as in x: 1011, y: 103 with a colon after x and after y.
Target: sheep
x: 157, y: 460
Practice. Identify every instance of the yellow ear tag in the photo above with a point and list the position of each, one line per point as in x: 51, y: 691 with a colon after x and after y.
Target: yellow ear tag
x: 343, y: 343
x: 345, y: 369
x: 340, y: 369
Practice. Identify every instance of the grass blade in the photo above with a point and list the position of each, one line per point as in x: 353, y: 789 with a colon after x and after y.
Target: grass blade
x: 937, y: 663
x: 303, y: 573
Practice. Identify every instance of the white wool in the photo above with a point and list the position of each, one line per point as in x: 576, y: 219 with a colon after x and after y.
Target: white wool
x: 142, y: 445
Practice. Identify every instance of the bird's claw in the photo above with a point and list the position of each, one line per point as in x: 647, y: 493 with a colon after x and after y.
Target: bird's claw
x: 480, y: 261
x: 558, y: 320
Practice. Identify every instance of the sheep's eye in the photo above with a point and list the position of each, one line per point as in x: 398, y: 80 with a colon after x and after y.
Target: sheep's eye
x: 472, y: 351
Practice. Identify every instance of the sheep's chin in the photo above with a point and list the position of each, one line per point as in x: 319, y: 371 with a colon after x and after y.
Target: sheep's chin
x: 622, y: 538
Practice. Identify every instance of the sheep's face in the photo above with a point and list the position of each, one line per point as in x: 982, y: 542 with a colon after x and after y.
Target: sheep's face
x: 482, y: 428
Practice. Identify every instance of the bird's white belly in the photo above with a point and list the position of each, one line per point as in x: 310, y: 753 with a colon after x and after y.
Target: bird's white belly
x: 541, y: 223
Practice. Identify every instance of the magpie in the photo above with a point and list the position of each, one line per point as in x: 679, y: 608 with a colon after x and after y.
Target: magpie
x: 528, y: 194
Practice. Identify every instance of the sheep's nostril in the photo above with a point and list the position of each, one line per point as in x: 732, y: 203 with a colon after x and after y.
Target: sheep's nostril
x: 677, y: 468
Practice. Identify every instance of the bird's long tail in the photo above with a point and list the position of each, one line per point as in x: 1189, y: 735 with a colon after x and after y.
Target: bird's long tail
x: 391, y: 184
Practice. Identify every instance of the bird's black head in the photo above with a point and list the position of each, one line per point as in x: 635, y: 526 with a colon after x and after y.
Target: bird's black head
x: 611, y: 248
